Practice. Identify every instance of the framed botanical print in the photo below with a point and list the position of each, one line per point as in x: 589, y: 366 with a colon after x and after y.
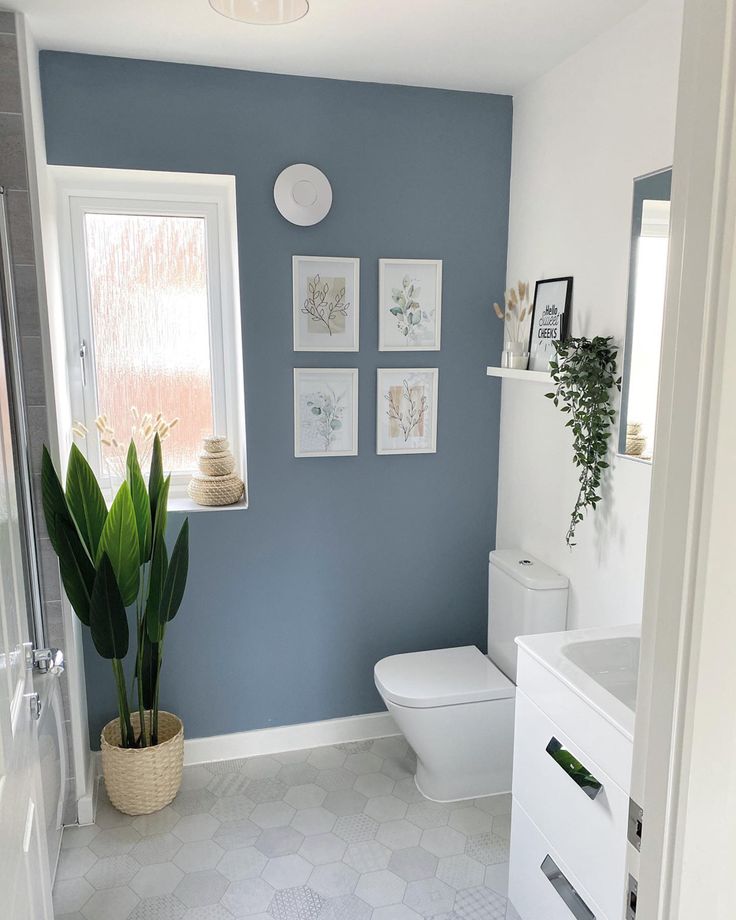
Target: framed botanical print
x: 325, y: 412
x: 406, y: 410
x: 550, y: 319
x: 409, y: 304
x: 326, y: 294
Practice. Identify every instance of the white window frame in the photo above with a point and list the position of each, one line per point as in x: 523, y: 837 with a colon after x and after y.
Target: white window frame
x: 83, y: 190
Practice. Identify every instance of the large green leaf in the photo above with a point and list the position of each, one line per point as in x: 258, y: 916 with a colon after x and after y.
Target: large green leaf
x: 176, y: 576
x: 55, y: 508
x: 159, y: 521
x: 77, y: 572
x: 85, y: 500
x: 141, y: 504
x: 108, y: 620
x: 119, y: 541
x: 159, y: 566
x: 156, y: 476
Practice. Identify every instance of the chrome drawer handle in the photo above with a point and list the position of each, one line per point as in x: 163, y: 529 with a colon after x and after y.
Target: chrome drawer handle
x: 578, y: 908
x: 574, y: 769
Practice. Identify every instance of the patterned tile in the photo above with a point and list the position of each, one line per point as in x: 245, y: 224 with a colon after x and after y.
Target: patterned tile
x: 333, y: 833
x: 297, y: 903
x: 480, y: 904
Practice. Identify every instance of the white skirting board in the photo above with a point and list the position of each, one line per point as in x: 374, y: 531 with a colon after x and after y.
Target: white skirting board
x: 288, y: 738
x: 269, y: 741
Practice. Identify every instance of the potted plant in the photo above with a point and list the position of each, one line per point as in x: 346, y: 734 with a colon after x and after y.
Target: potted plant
x: 516, y: 316
x: 584, y: 374
x: 114, y: 561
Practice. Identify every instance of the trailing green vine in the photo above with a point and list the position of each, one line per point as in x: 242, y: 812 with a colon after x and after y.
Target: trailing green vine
x: 584, y: 373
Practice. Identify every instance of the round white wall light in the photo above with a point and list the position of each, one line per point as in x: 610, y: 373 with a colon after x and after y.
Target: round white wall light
x: 262, y: 12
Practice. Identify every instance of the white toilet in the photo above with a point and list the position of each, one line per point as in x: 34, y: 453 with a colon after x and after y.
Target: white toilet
x: 455, y: 706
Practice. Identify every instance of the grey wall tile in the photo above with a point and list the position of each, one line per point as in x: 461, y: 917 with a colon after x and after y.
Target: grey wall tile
x: 49, y: 571
x: 7, y: 22
x: 38, y: 434
x: 10, y: 100
x: 21, y: 229
x: 26, y: 297
x: 12, y: 152
x: 33, y: 375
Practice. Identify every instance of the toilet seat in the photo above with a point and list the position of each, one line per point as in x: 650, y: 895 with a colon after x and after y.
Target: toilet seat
x: 442, y: 677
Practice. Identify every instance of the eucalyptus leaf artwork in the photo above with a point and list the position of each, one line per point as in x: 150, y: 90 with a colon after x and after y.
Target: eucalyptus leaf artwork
x: 410, y: 303
x: 114, y: 561
x: 584, y: 373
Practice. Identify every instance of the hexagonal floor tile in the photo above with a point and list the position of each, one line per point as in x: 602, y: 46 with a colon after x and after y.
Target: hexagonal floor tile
x: 488, y: 849
x: 195, y: 827
x: 346, y: 908
x: 193, y: 802
x: 111, y: 904
x: 246, y: 862
x: 232, y: 808
x: 393, y: 746
x: 413, y: 864
x: 356, y: 828
x: 428, y: 814
x: 71, y: 895
x: 226, y: 784
x: 443, y: 841
x: 308, y: 795
x: 279, y: 841
x: 290, y: 871
x: 299, y: 903
x: 497, y: 879
x: 385, y: 808
x: 372, y: 784
x: 160, y: 822
x: 261, y: 767
x: 75, y: 863
x: 380, y: 888
x: 309, y: 821
x: 115, y: 841
x: 333, y: 880
x: 233, y: 834
x: 429, y: 897
x: 112, y: 871
x: 296, y: 774
x: 495, y: 804
x: 406, y: 789
x: 461, y: 872
x: 195, y: 777
x: 470, y: 821
x: 395, y: 912
x: 334, y: 779
x: 236, y: 765
x: 397, y: 835
x: 209, y: 912
x: 369, y: 856
x: 166, y: 907
x: 327, y: 758
x: 248, y: 896
x: 159, y: 848
x: 323, y: 848
x: 363, y: 762
x: 272, y: 814
x: 153, y: 881
x: 345, y: 802
x: 480, y: 904
x: 200, y: 888
x: 267, y: 789
x: 200, y: 854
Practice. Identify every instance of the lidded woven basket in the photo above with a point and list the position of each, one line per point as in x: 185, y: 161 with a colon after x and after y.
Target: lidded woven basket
x: 140, y: 781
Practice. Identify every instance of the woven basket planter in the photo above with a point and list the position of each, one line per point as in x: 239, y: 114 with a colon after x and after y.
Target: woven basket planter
x: 142, y: 780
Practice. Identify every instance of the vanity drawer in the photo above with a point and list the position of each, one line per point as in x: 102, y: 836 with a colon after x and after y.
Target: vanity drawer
x: 541, y: 885
x: 578, y: 808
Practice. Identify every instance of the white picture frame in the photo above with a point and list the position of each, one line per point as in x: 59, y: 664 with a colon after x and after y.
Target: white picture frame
x: 326, y: 303
x: 409, y: 304
x: 322, y: 398
x: 406, y: 410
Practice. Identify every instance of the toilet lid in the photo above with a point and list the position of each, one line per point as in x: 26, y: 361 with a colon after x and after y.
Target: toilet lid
x: 443, y: 677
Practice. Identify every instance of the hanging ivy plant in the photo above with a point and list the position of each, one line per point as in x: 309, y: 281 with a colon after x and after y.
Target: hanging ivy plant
x: 584, y: 373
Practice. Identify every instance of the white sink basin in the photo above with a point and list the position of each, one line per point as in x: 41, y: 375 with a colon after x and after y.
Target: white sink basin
x: 599, y: 665
x: 613, y: 663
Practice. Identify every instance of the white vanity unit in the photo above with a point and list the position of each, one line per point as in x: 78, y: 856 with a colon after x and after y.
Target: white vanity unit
x: 572, y: 765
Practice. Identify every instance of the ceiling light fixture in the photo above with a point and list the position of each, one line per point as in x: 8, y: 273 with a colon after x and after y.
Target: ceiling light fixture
x: 262, y: 12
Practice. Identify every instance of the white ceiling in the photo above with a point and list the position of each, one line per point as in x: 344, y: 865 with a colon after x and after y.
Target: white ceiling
x: 485, y: 45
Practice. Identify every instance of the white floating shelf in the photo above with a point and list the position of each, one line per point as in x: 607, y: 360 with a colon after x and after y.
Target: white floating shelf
x: 512, y: 374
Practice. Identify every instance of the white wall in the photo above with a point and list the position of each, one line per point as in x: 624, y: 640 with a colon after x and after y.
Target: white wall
x: 582, y: 133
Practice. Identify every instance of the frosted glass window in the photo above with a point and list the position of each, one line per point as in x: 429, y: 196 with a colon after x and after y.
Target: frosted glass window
x: 149, y: 311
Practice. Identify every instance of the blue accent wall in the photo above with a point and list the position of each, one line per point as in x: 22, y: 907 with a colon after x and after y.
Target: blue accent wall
x: 338, y: 561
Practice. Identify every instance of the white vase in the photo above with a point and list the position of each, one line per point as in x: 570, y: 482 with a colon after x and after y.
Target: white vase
x: 515, y: 356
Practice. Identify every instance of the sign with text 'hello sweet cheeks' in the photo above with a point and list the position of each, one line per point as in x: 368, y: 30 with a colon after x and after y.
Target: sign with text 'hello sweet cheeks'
x: 552, y: 302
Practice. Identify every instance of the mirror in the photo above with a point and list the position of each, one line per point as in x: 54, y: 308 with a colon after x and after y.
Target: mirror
x: 650, y: 237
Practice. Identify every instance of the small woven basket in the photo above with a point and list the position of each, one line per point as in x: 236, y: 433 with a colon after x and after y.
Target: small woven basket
x: 215, y: 443
x: 143, y: 780
x: 215, y: 490
x: 221, y: 463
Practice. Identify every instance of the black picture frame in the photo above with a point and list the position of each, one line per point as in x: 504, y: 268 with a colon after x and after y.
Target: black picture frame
x: 559, y: 299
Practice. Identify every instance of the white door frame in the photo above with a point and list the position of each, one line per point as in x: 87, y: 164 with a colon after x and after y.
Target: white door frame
x: 685, y: 743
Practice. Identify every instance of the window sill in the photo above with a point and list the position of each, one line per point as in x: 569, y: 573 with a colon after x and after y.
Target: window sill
x: 187, y: 506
